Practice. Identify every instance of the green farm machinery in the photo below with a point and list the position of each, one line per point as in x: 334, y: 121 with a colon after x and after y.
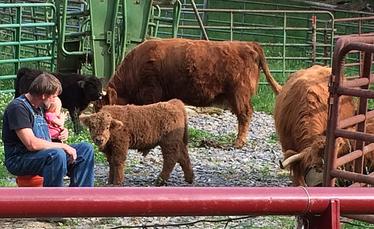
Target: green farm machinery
x: 92, y: 36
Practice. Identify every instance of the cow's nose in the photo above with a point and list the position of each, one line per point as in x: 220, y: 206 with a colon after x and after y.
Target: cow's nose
x: 99, y: 140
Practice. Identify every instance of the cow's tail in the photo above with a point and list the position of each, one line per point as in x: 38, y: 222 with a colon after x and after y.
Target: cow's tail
x: 185, y: 135
x: 275, y: 86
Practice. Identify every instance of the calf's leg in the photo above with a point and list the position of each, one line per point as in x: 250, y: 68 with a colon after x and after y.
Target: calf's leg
x: 119, y: 155
x: 111, y: 171
x: 169, y: 160
x: 184, y: 161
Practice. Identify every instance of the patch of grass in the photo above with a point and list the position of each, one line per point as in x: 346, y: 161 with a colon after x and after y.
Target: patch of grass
x: 4, y: 100
x: 264, y: 100
x: 273, y: 138
x: 356, y: 225
x: 198, y: 138
x: 266, y: 170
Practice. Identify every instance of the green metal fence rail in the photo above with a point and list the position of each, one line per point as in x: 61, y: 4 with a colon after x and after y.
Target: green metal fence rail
x: 27, y: 38
x: 358, y: 26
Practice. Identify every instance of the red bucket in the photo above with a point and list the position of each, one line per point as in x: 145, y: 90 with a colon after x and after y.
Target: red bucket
x: 29, y: 181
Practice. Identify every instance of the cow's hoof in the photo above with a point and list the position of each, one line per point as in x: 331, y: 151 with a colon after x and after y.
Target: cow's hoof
x: 189, y: 179
x: 239, y: 144
x: 160, y: 182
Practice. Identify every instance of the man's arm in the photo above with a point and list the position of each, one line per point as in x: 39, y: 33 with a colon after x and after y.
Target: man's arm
x: 33, y: 143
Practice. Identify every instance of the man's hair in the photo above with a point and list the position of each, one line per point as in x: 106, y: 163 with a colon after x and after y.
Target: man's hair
x: 45, y: 84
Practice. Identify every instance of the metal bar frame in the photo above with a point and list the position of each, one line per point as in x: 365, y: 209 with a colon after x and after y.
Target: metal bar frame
x: 337, y: 89
x: 183, y: 201
x: 19, y: 21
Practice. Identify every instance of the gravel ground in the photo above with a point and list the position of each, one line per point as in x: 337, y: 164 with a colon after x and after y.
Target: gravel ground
x: 255, y: 165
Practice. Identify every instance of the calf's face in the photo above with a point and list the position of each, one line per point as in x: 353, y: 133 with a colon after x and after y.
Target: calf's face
x: 100, y: 125
x: 92, y: 88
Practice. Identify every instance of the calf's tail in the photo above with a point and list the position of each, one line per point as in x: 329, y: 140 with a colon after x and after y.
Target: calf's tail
x: 178, y: 103
x: 185, y: 136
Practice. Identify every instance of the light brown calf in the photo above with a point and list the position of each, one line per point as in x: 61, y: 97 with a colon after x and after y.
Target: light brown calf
x: 115, y: 129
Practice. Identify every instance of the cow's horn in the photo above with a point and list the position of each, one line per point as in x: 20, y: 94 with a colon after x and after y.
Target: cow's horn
x: 291, y: 159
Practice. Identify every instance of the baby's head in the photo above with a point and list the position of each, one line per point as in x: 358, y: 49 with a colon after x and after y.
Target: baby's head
x: 55, y: 107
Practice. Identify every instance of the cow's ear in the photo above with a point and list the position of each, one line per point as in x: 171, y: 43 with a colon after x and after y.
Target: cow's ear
x: 81, y: 83
x: 115, y: 124
x: 112, y: 95
x: 85, y: 119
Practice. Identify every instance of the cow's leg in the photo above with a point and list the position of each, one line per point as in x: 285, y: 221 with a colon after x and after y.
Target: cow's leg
x: 184, y: 161
x: 74, y: 115
x: 170, y: 155
x: 241, y: 106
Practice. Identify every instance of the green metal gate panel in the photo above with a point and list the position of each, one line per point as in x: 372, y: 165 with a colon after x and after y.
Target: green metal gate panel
x: 27, y: 38
x: 112, y: 29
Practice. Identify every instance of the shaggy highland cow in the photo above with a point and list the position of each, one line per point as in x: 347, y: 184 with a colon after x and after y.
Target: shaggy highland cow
x: 200, y: 73
x: 115, y: 129
x: 300, y: 116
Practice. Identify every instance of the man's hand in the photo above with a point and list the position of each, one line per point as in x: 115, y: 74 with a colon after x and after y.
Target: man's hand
x: 71, y: 152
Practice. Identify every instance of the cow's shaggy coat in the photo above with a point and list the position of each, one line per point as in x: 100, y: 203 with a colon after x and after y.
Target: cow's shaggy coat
x: 200, y: 73
x: 300, y: 116
x: 115, y: 129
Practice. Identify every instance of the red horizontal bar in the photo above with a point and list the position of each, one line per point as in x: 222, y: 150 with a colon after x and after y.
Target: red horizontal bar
x: 179, y: 201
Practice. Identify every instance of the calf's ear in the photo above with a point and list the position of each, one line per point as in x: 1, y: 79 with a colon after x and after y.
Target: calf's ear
x: 116, y: 124
x: 84, y: 119
x: 81, y: 83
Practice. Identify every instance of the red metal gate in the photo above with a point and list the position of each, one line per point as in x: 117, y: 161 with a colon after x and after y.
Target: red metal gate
x: 358, y: 87
x: 353, y: 128
x: 321, y: 206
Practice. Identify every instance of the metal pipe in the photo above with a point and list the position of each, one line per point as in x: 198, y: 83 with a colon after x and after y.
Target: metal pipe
x: 366, y: 218
x: 353, y: 176
x: 180, y: 201
x: 201, y: 24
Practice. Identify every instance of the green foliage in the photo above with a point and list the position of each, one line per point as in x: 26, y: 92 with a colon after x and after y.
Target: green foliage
x: 356, y: 225
x: 273, y: 138
x: 264, y: 100
x: 4, y: 100
x: 83, y: 136
x: 199, y: 138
